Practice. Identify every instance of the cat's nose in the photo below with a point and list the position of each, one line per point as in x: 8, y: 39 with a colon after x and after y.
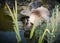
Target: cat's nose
x: 29, y: 26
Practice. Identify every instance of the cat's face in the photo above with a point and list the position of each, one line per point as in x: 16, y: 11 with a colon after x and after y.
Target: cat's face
x: 37, y: 16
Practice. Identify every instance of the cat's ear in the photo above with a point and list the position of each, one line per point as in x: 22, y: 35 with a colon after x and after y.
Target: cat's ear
x: 26, y: 12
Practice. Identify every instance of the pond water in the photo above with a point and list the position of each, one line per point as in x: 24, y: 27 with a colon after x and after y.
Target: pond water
x: 10, y: 37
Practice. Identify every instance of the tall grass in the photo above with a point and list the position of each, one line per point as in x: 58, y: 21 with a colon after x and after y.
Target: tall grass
x: 13, y: 14
x: 52, y: 28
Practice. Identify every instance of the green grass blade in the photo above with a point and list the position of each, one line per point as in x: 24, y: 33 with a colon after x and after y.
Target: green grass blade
x: 10, y: 12
x: 33, y: 29
x: 15, y: 20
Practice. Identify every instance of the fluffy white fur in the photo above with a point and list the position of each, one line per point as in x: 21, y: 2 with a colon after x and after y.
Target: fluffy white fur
x: 36, y: 19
